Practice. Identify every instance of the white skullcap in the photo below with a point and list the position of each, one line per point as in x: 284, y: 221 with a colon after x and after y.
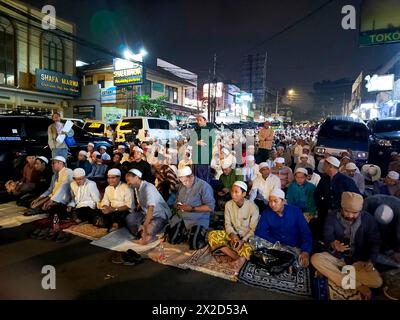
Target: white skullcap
x: 280, y: 160
x: 333, y: 161
x: 186, y: 171
x: 226, y: 163
x: 263, y: 165
x: 241, y: 184
x: 351, y: 166
x: 384, y: 214
x: 250, y: 157
x: 90, y: 144
x: 78, y: 172
x: 59, y: 158
x: 103, y: 147
x: 281, y: 147
x: 277, y: 193
x: 114, y: 172
x: 136, y: 172
x: 393, y: 175
x: 251, y: 147
x: 301, y: 170
x: 83, y: 152
x: 304, y: 156
x: 44, y: 159
x: 394, y: 153
x: 121, y: 146
x: 225, y: 151
x: 138, y: 149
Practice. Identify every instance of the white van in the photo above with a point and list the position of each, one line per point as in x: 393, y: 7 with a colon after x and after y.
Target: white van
x: 147, y: 128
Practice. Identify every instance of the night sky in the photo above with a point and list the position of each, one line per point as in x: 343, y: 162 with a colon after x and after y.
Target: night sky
x: 187, y: 33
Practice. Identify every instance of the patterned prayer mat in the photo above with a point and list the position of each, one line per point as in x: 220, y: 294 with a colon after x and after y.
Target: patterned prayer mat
x: 174, y: 255
x: 338, y: 293
x: 48, y: 223
x: 87, y: 231
x: 296, y: 283
x: 12, y: 215
x: 203, y: 261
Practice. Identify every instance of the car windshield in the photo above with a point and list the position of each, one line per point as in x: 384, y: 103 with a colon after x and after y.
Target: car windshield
x: 342, y: 130
x: 129, y: 124
x: 387, y: 126
x: 94, y: 127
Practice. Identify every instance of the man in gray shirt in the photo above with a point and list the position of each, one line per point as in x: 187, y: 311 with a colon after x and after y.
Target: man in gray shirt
x: 151, y: 213
x: 358, y: 178
x: 195, y: 202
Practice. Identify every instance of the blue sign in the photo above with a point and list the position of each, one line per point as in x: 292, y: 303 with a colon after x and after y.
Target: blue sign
x: 56, y: 82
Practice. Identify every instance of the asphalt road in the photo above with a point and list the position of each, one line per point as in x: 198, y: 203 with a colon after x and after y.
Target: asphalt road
x: 84, y: 271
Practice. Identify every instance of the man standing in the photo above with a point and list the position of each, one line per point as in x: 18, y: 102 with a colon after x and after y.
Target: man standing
x: 286, y: 224
x: 266, y: 136
x: 54, y: 130
x: 85, y: 197
x: 195, y: 202
x: 117, y: 201
x: 353, y: 238
x: 152, y: 214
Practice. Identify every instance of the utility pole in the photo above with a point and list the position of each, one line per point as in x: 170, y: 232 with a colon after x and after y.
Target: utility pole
x: 277, y: 101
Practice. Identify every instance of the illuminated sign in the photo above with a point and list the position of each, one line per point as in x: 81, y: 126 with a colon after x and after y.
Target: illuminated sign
x: 379, y: 83
x: 127, y: 73
x: 109, y: 95
x: 216, y: 90
x: 56, y: 82
x: 380, y: 22
x: 244, y: 97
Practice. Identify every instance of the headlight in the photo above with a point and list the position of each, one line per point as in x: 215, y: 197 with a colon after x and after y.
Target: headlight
x: 362, y: 155
x: 385, y: 143
x: 320, y: 150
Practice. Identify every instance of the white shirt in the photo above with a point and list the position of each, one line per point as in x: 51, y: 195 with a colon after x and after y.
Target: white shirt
x: 105, y: 157
x: 59, y: 190
x: 262, y: 188
x: 148, y: 196
x: 84, y: 196
x: 315, y: 179
x: 250, y: 173
x: 241, y: 221
x: 118, y: 196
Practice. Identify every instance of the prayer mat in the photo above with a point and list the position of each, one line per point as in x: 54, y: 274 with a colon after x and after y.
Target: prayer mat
x: 121, y: 240
x: 338, y: 293
x: 391, y: 284
x: 203, y: 261
x: 87, y: 231
x: 48, y: 223
x: 298, y: 283
x: 12, y: 215
x: 175, y: 255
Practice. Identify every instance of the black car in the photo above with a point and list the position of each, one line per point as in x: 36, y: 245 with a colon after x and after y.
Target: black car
x: 384, y: 139
x: 18, y: 134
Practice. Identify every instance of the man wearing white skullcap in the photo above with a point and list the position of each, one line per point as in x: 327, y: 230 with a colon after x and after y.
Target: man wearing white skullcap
x: 303, y: 162
x: 353, y: 237
x: 386, y: 210
x: 250, y: 170
x: 389, y: 186
x: 85, y: 196
x: 195, y: 202
x: 99, y: 168
x: 83, y: 162
x: 284, y: 173
x: 226, y: 180
x: 117, y: 201
x: 301, y: 194
x: 352, y: 172
x: 241, y: 218
x: 140, y: 164
x: 285, y: 223
x: 58, y: 194
x: 151, y: 213
x: 263, y: 185
x: 329, y: 191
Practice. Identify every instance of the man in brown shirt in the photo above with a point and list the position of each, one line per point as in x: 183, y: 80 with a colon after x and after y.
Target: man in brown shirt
x: 266, y: 137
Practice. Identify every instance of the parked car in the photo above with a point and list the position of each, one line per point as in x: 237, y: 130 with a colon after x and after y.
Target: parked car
x: 79, y: 122
x: 340, y: 133
x: 20, y: 133
x: 144, y: 129
x: 384, y: 139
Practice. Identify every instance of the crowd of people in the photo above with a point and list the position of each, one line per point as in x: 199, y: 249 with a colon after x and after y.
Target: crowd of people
x: 269, y: 186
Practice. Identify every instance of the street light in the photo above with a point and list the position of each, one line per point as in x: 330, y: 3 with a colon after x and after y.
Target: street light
x: 129, y: 55
x: 291, y: 92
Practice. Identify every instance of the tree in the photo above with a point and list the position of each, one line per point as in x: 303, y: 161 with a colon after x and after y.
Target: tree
x: 147, y: 107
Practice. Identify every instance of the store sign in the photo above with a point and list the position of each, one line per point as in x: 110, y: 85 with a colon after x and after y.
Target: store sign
x: 379, y: 83
x: 216, y: 89
x: 56, y: 82
x: 380, y: 22
x: 244, y: 97
x: 159, y: 87
x: 109, y: 95
x: 127, y: 73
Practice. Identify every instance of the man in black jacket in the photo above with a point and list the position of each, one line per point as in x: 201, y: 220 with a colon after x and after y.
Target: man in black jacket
x: 328, y: 193
x: 353, y: 238
x: 139, y: 164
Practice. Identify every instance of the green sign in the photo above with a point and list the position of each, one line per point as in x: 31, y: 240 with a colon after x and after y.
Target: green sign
x: 380, y: 22
x: 56, y: 82
x: 156, y: 86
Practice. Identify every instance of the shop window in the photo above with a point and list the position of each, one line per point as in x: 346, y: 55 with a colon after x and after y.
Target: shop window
x: 52, y: 52
x: 172, y: 94
x: 101, y: 83
x: 88, y: 80
x: 7, y: 52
